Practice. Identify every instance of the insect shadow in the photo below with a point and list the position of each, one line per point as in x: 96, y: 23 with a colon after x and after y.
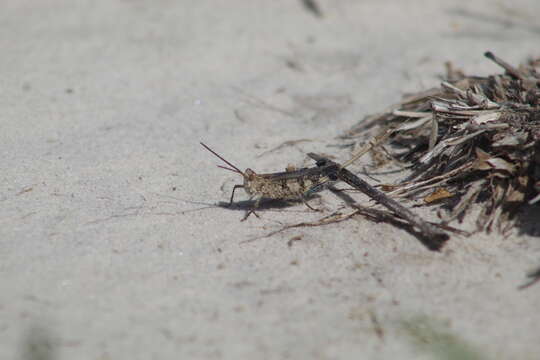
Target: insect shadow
x: 263, y: 204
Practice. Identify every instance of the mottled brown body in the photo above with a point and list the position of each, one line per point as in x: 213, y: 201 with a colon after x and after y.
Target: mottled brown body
x: 289, y: 185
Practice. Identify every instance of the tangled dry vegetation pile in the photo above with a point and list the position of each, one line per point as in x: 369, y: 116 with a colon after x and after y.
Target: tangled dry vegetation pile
x: 473, y: 140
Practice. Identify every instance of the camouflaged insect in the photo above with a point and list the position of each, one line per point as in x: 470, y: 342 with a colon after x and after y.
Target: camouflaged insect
x: 292, y: 184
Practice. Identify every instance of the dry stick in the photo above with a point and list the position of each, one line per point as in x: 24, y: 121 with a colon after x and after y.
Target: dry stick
x: 512, y: 71
x: 377, y: 140
x: 334, y: 170
x: 407, y: 188
x: 506, y: 66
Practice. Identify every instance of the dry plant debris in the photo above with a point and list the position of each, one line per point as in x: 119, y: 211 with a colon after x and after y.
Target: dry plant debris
x: 473, y: 140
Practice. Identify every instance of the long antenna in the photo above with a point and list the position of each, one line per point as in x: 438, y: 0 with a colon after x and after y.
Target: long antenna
x: 225, y: 161
x: 226, y: 168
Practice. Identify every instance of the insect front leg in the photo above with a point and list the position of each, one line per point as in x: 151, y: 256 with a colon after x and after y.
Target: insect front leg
x: 232, y: 195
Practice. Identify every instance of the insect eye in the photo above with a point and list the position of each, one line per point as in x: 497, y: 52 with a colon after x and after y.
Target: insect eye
x: 249, y: 173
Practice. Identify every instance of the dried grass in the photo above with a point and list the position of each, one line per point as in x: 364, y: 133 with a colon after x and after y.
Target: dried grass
x: 473, y: 140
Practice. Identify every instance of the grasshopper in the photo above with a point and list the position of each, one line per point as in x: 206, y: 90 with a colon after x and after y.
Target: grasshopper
x: 288, y: 185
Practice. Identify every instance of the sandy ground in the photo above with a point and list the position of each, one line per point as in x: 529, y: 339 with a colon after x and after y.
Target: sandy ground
x: 108, y: 246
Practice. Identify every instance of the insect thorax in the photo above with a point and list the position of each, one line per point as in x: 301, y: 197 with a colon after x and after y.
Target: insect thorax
x: 249, y: 178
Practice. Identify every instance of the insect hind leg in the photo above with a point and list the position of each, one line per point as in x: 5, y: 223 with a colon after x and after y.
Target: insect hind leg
x: 305, y: 201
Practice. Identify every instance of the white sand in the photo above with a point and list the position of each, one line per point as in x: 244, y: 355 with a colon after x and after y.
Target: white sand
x: 103, y: 105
